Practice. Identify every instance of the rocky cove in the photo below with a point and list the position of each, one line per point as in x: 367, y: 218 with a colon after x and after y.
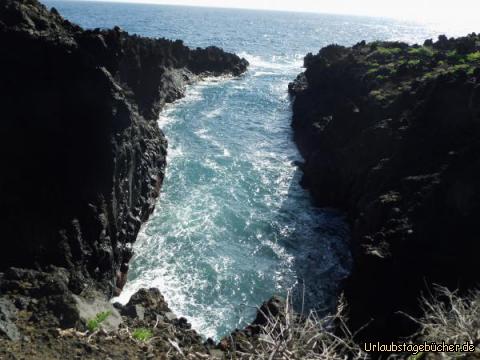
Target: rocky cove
x: 388, y: 132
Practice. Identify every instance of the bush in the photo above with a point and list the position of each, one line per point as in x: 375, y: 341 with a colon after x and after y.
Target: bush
x: 388, y: 51
x: 422, y: 51
x: 475, y: 56
x: 462, y: 67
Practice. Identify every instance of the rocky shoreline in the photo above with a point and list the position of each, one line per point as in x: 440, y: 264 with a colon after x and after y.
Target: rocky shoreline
x: 390, y: 134
x: 84, y: 162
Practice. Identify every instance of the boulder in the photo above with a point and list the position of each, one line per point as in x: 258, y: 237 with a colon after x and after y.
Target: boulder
x: 8, y: 315
x: 89, y: 309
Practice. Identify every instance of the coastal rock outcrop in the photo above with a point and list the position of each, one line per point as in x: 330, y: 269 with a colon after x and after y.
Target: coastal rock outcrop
x: 391, y: 134
x: 82, y: 155
x: 83, y: 162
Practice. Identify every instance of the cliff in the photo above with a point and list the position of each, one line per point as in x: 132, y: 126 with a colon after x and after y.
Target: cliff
x: 391, y: 135
x: 82, y: 155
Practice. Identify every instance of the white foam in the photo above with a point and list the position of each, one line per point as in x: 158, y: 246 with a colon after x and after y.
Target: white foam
x: 174, y: 152
x: 263, y: 73
x: 202, y: 134
x: 274, y: 63
x: 213, y: 113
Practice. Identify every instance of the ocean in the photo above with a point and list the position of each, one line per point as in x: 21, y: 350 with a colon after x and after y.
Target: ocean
x: 233, y: 226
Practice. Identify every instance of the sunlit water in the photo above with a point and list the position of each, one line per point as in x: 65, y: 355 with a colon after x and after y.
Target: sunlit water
x: 232, y: 226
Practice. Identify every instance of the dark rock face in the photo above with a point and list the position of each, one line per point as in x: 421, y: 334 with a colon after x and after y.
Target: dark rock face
x: 391, y: 134
x: 83, y: 158
x: 149, y: 299
x: 269, y: 309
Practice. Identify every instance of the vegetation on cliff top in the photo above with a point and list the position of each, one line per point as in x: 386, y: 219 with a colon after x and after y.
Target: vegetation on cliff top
x: 387, y: 68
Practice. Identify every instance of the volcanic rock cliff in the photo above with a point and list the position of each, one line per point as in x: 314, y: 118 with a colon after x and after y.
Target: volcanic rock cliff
x: 82, y: 155
x: 391, y: 134
x: 83, y: 162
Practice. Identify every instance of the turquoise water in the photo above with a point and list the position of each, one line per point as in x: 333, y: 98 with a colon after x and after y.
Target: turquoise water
x: 232, y: 226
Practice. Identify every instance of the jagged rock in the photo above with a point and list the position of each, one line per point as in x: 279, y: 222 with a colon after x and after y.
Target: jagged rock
x: 152, y: 302
x: 79, y: 111
x: 7, y: 320
x: 244, y: 340
x: 391, y: 134
x: 170, y: 316
x: 134, y: 311
x: 269, y: 309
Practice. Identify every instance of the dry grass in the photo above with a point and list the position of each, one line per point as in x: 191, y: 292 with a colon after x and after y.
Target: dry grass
x: 450, y: 318
x: 296, y: 336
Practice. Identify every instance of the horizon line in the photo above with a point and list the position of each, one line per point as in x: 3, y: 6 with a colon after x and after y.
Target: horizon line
x: 155, y: 2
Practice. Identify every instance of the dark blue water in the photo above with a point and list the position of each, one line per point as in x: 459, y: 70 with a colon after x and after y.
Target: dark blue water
x: 232, y: 226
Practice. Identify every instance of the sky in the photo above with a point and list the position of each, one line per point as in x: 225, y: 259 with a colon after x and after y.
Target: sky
x: 423, y: 10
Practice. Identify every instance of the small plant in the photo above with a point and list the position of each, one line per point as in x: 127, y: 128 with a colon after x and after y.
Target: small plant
x: 452, y: 53
x: 431, y: 75
x: 388, y: 51
x: 461, y: 67
x: 142, y: 334
x: 413, y: 63
x: 94, y: 324
x: 475, y: 56
x: 454, y: 57
x: 422, y: 51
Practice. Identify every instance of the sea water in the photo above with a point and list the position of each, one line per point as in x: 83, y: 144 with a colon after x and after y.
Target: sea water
x: 232, y: 226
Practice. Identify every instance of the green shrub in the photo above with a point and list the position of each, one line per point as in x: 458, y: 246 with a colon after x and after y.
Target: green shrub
x: 475, y: 56
x: 388, y: 51
x: 431, y: 75
x: 422, y: 51
x: 452, y: 53
x: 142, y: 334
x: 454, y: 57
x: 94, y: 324
x: 467, y: 68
